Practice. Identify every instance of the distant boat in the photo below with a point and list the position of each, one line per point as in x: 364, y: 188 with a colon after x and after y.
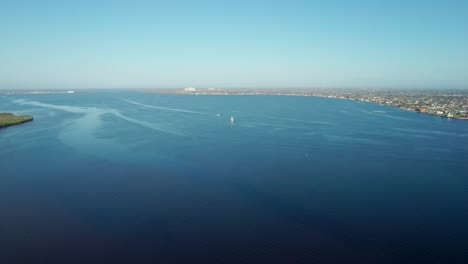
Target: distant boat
x: 232, y: 120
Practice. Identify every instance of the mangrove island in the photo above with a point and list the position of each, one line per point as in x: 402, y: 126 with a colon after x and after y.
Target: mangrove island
x: 9, y: 119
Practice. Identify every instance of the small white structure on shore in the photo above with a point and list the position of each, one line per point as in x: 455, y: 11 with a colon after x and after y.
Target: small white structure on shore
x: 70, y: 92
x: 190, y: 89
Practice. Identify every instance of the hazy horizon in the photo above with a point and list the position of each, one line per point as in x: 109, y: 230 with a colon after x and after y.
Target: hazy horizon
x: 235, y: 88
x: 261, y: 44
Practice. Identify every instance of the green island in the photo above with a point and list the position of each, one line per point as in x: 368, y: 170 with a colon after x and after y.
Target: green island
x: 9, y: 119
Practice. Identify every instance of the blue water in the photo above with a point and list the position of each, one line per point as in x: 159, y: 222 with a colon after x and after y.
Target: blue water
x: 132, y: 177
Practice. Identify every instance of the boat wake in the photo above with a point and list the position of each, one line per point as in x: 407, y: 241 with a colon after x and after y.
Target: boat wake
x: 294, y: 120
x: 168, y: 109
x: 81, y: 132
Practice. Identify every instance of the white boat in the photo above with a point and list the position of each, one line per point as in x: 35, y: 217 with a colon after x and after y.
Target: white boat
x: 232, y: 119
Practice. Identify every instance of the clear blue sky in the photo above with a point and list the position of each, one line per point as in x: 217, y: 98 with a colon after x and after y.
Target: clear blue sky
x: 144, y: 44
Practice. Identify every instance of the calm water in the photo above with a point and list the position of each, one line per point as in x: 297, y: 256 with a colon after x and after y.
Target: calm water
x: 143, y: 178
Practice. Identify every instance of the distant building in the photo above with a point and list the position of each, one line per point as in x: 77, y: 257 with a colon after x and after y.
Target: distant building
x: 70, y: 92
x: 190, y: 89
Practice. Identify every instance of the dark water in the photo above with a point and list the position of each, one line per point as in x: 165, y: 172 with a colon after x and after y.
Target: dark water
x: 123, y: 177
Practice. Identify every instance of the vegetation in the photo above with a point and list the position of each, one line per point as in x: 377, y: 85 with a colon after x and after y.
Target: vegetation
x: 8, y: 119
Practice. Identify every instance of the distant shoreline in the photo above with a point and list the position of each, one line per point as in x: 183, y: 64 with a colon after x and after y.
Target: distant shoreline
x: 452, y: 104
x: 38, y: 92
x: 447, y: 104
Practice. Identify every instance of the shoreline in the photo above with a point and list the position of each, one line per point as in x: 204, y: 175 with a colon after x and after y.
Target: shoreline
x: 291, y: 93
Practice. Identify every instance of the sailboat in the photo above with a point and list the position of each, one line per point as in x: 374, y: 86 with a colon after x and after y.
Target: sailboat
x: 232, y: 120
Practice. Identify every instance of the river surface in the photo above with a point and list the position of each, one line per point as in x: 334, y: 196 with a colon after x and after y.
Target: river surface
x: 132, y: 177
